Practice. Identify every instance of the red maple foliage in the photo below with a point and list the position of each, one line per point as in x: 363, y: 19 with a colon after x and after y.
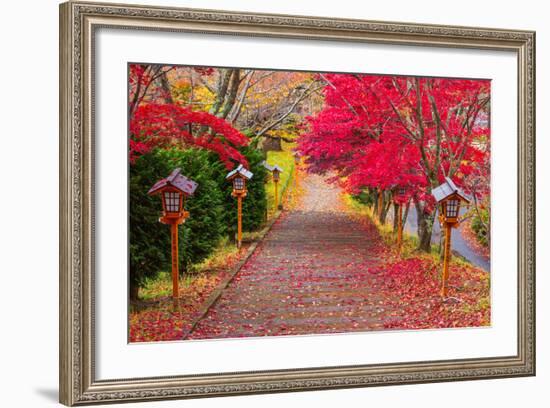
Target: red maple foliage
x: 156, y: 120
x: 382, y: 132
x: 426, y: 127
x: 156, y: 124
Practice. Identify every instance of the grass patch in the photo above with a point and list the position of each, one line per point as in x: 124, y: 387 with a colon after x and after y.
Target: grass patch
x: 409, y: 247
x: 161, y: 285
x: 218, y: 259
x: 285, y: 160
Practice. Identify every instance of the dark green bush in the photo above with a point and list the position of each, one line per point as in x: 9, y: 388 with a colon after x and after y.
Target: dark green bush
x: 149, y: 239
x: 255, y: 203
x: 213, y: 212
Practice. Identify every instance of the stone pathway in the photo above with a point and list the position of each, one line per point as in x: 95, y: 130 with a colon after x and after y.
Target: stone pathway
x: 309, y: 276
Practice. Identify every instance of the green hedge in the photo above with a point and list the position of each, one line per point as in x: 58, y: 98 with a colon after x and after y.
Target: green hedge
x: 149, y: 239
x: 254, y: 204
x: 213, y: 212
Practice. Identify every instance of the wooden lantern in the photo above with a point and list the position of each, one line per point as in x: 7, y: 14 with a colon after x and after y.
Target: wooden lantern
x: 449, y: 198
x: 276, y: 174
x: 239, y: 185
x: 239, y: 176
x: 174, y: 190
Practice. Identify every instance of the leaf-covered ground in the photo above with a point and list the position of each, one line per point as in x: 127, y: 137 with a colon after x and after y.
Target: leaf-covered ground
x: 162, y: 319
x: 411, y: 290
x: 320, y: 270
x: 156, y: 317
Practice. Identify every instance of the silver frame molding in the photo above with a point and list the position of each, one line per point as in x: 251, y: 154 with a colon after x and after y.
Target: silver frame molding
x: 78, y: 22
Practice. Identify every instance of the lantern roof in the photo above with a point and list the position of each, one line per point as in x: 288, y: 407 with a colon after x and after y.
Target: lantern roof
x: 241, y: 171
x: 177, y: 180
x: 272, y: 168
x: 447, y: 189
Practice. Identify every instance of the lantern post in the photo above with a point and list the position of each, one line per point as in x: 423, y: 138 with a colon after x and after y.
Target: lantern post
x: 239, y: 220
x: 401, y: 193
x: 239, y: 177
x: 446, y: 258
x: 174, y: 190
x: 275, y: 171
x: 449, y: 197
x: 276, y: 178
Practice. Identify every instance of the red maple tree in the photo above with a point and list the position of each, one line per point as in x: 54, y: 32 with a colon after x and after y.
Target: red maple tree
x: 381, y: 132
x: 156, y: 120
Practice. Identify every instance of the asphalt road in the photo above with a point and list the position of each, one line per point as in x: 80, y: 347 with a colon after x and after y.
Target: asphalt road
x: 459, y: 244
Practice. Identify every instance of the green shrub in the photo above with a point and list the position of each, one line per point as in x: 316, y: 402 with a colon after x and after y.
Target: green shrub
x: 479, y: 228
x: 213, y: 211
x: 254, y: 204
x: 149, y: 239
x: 365, y: 197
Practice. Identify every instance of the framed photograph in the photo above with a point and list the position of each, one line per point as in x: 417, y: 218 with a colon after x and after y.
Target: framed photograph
x: 256, y: 203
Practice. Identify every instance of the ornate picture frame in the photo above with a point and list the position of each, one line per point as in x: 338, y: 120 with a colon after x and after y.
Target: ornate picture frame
x: 78, y: 24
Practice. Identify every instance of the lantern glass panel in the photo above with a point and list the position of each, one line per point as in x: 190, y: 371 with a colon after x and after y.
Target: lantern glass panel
x: 452, y: 208
x: 238, y: 184
x: 276, y: 175
x: 172, y: 201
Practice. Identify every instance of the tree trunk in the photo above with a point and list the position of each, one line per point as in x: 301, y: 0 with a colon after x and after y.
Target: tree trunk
x: 232, y: 93
x: 223, y: 84
x: 395, y: 217
x: 425, y: 227
x: 134, y: 292
x: 406, y: 213
x: 165, y: 85
x: 386, y: 204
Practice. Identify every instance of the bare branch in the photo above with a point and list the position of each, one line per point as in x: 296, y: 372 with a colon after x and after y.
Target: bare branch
x: 258, y: 80
x: 305, y: 94
x: 206, y: 85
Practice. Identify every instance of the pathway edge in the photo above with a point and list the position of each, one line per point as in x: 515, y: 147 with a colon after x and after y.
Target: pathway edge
x: 215, y: 295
